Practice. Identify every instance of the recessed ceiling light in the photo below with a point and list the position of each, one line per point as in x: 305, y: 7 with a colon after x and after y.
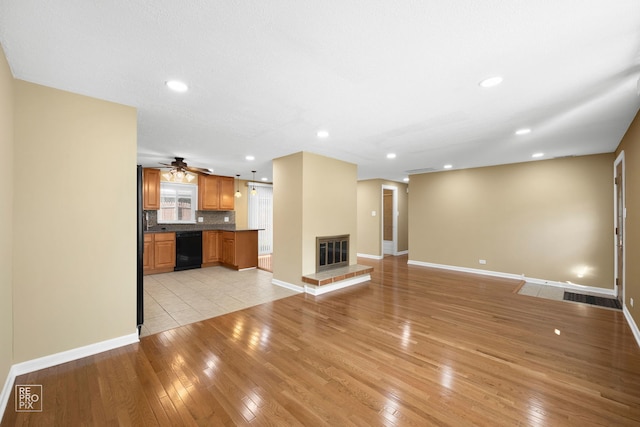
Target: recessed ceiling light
x: 177, y: 85
x: 447, y: 166
x: 391, y: 156
x: 523, y: 131
x: 405, y: 179
x: 250, y: 158
x: 323, y: 134
x: 265, y: 179
x: 491, y: 81
x: 537, y: 155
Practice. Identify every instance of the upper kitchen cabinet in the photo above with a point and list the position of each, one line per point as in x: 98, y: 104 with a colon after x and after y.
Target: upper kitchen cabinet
x: 215, y: 193
x: 227, y: 195
x: 151, y: 189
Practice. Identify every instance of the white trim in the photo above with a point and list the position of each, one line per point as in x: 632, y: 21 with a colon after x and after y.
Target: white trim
x: 6, y: 390
x: 398, y: 253
x: 575, y: 286
x: 287, y: 285
x: 619, y: 159
x: 370, y: 256
x: 319, y: 290
x: 59, y: 358
x: 632, y: 324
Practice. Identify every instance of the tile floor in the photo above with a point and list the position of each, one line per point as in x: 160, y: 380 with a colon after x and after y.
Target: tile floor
x: 555, y: 293
x: 183, y: 297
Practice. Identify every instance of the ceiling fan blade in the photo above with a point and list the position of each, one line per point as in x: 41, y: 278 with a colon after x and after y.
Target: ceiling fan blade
x: 198, y: 170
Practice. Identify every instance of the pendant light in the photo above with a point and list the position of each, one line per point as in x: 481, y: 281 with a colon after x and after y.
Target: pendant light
x: 253, y: 189
x: 238, y: 193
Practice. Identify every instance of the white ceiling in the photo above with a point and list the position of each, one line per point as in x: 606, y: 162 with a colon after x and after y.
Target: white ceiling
x: 380, y: 76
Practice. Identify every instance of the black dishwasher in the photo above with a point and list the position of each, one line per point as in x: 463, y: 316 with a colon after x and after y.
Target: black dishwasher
x: 188, y: 250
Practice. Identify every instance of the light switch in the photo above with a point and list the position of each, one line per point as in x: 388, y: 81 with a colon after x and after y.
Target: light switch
x: 200, y: 219
x: 226, y: 219
x: 373, y: 213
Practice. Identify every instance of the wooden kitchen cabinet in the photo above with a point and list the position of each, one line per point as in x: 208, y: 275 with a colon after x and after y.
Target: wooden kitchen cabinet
x: 210, y: 248
x: 147, y: 253
x: 150, y: 189
x: 229, y: 248
x: 215, y: 193
x: 227, y: 194
x: 240, y: 249
x: 159, y: 253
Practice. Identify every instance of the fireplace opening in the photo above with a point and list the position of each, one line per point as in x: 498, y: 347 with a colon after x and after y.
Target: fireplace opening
x: 332, y: 252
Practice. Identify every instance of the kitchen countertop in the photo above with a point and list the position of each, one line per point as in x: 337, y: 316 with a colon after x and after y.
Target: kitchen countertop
x: 172, y: 228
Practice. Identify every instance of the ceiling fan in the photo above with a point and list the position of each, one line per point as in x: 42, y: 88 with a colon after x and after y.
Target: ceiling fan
x: 179, y: 166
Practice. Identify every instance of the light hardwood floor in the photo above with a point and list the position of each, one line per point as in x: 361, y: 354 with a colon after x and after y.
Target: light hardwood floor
x: 414, y: 346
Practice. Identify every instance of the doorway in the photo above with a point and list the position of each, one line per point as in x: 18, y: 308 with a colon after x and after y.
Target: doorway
x: 389, y: 220
x: 619, y: 219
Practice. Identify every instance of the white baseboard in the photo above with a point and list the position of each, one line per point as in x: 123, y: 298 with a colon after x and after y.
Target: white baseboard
x: 632, y: 324
x: 575, y: 286
x: 6, y: 391
x: 319, y: 290
x: 370, y: 256
x: 401, y: 253
x: 59, y: 358
x: 467, y: 270
x: 288, y: 285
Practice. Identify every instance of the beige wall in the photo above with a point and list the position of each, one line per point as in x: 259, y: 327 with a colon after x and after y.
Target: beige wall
x: 329, y: 205
x: 370, y: 227
x: 74, y: 221
x: 548, y: 219
x: 287, y: 219
x: 241, y: 204
x: 6, y: 218
x: 631, y: 146
x: 313, y: 196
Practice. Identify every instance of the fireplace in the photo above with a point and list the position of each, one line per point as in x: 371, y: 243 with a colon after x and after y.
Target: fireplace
x: 332, y: 252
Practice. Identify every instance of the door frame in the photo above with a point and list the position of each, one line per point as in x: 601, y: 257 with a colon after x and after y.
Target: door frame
x: 394, y: 191
x: 619, y: 282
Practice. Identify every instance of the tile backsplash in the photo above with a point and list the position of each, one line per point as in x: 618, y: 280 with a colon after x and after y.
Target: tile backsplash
x: 150, y: 220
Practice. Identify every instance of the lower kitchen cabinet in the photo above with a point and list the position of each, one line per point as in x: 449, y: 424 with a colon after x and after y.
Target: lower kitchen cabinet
x: 240, y: 249
x: 159, y: 253
x: 235, y: 249
x: 210, y: 248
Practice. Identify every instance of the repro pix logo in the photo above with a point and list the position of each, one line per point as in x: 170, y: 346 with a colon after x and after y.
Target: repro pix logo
x: 29, y: 398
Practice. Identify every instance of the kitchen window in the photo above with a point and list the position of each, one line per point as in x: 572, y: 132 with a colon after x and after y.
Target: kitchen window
x: 178, y: 203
